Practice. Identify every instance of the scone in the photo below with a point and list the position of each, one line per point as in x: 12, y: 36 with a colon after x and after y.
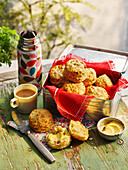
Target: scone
x: 40, y: 120
x: 78, y: 130
x: 97, y: 92
x: 58, y: 138
x: 77, y: 88
x: 75, y: 70
x: 56, y: 75
x: 91, y: 76
x: 103, y: 81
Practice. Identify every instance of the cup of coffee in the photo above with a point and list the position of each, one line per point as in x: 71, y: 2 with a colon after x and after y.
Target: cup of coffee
x: 25, y: 98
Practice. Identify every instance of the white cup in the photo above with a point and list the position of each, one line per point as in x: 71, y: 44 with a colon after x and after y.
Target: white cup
x: 24, y: 104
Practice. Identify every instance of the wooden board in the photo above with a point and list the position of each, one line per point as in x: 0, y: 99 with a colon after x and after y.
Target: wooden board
x: 18, y: 152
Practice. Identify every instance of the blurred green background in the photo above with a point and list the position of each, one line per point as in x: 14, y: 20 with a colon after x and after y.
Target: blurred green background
x: 53, y: 20
x: 98, y: 23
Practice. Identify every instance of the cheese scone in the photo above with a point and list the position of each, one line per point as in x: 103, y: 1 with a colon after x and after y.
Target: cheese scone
x: 75, y: 70
x: 40, y: 120
x: 91, y: 76
x: 103, y: 81
x: 78, y: 88
x: 56, y: 75
x: 58, y: 138
x: 97, y: 92
x: 78, y: 130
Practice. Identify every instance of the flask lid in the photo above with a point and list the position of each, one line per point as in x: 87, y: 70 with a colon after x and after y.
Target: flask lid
x: 28, y: 34
x: 28, y: 41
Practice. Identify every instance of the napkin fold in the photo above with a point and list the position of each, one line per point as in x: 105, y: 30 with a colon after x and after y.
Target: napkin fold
x: 73, y: 106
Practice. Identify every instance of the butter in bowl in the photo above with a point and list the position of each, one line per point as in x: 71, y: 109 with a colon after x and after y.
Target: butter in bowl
x: 110, y: 128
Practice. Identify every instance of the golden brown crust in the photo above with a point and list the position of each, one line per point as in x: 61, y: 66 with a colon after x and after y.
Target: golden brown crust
x: 97, y: 92
x: 56, y: 75
x: 58, y: 138
x: 75, y: 70
x: 91, y: 76
x: 40, y: 120
x: 78, y: 130
x: 103, y: 81
x: 77, y: 88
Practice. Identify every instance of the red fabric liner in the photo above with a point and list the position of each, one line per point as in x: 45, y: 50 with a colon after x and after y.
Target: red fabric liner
x: 73, y: 106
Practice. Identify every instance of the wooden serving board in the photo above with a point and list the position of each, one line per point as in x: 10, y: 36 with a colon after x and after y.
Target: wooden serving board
x: 18, y: 152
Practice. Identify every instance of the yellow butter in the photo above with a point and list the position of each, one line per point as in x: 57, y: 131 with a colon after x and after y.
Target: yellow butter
x: 108, y: 130
x: 14, y: 116
x: 112, y: 128
x: 58, y: 134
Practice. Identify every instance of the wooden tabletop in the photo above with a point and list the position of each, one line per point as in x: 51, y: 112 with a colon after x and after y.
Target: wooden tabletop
x: 18, y: 152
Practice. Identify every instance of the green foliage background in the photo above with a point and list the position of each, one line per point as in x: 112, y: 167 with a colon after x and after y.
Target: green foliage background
x: 51, y: 19
x: 8, y: 41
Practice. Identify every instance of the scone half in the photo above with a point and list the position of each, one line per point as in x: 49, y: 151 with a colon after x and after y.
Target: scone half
x: 78, y: 130
x: 58, y: 138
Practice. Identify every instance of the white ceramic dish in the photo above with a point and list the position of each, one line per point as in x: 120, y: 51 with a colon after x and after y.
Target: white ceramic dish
x: 101, y: 124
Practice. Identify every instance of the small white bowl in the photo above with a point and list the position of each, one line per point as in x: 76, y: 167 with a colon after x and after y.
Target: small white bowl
x: 106, y: 120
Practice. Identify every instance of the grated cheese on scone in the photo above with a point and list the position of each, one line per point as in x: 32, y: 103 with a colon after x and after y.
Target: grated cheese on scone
x: 40, y: 120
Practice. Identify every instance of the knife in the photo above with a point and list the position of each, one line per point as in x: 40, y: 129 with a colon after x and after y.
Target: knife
x: 24, y: 129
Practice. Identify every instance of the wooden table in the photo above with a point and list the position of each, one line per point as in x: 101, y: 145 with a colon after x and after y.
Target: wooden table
x: 18, y: 152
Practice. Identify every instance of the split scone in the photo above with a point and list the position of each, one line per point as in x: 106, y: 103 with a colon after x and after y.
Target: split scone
x: 58, y: 138
x: 75, y: 70
x: 97, y: 92
x: 103, y: 81
x: 91, y: 76
x: 78, y: 88
x: 40, y: 120
x: 78, y: 130
x: 56, y: 75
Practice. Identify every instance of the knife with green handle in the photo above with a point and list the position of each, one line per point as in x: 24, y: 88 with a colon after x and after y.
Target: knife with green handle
x: 24, y: 129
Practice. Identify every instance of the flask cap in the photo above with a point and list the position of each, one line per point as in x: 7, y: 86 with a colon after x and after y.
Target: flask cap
x: 28, y: 41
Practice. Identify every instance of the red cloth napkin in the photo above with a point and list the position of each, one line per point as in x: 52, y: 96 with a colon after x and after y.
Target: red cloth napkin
x: 73, y: 106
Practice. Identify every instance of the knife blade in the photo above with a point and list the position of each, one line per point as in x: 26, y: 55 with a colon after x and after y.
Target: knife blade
x: 24, y: 129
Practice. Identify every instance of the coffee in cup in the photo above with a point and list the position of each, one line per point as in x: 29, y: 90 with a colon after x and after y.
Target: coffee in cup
x: 25, y: 98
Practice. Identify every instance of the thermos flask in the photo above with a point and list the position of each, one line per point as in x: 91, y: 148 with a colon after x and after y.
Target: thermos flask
x: 29, y: 59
